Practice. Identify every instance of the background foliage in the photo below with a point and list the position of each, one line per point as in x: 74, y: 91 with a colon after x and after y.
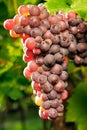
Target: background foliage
x: 15, y: 90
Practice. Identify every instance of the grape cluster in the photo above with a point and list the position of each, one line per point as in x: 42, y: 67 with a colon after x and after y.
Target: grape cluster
x: 48, y: 39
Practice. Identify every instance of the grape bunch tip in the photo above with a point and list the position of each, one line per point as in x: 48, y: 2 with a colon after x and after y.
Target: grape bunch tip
x: 48, y: 41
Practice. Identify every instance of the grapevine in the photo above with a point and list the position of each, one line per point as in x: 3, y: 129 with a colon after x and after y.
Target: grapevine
x: 48, y: 41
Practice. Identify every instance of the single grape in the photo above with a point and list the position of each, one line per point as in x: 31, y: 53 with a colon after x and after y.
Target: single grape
x: 44, y: 46
x: 55, y: 39
x: 60, y: 108
x: 49, y: 60
x: 23, y: 10
x: 43, y: 14
x: 64, y: 95
x: 42, y: 79
x: 30, y: 43
x: 36, y: 32
x: 59, y: 57
x: 54, y: 103
x: 52, y: 95
x: 78, y: 60
x: 35, y: 75
x: 64, y: 76
x: 54, y: 49
x: 82, y: 47
x: 53, y: 19
x: 56, y: 69
x: 18, y: 29
x: 39, y: 60
x: 27, y: 29
x: 46, y: 104
x: 32, y: 66
x: 45, y: 23
x: 55, y: 28
x: 34, y: 11
x: 34, y: 21
x: 53, y: 79
x: 27, y: 73
x: 9, y: 24
x: 60, y: 86
x: 52, y: 113
x: 44, y: 96
x: 64, y: 51
x: 43, y: 29
x: 38, y: 39
x: 47, y: 87
x: 24, y: 21
x: 45, y: 68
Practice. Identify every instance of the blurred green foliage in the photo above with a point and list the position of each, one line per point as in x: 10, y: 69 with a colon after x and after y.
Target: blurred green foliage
x: 14, y: 86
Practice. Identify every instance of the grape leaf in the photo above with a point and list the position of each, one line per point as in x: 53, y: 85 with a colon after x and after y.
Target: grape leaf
x: 78, y: 6
x: 56, y: 5
x: 77, y: 107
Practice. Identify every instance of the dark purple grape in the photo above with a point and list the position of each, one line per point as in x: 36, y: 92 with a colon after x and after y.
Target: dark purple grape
x: 27, y: 29
x: 34, y: 11
x: 42, y: 79
x: 24, y: 21
x: 53, y: 79
x: 44, y: 46
x: 60, y: 86
x: 54, y: 103
x: 44, y: 96
x: 52, y: 94
x: 60, y: 108
x: 34, y: 21
x: 35, y: 32
x: 54, y: 49
x: 39, y: 60
x: 18, y: 29
x: 49, y: 60
x: 52, y: 113
x: 47, y: 87
x: 55, y: 28
x: 59, y: 57
x: 46, y: 104
x: 56, y: 69
x: 78, y: 60
x: 64, y: 76
x: 82, y: 47
x: 43, y: 29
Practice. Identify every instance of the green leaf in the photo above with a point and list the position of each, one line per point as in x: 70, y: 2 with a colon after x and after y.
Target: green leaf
x: 15, y: 93
x: 56, y: 5
x: 32, y: 2
x: 80, y: 7
x: 77, y: 107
